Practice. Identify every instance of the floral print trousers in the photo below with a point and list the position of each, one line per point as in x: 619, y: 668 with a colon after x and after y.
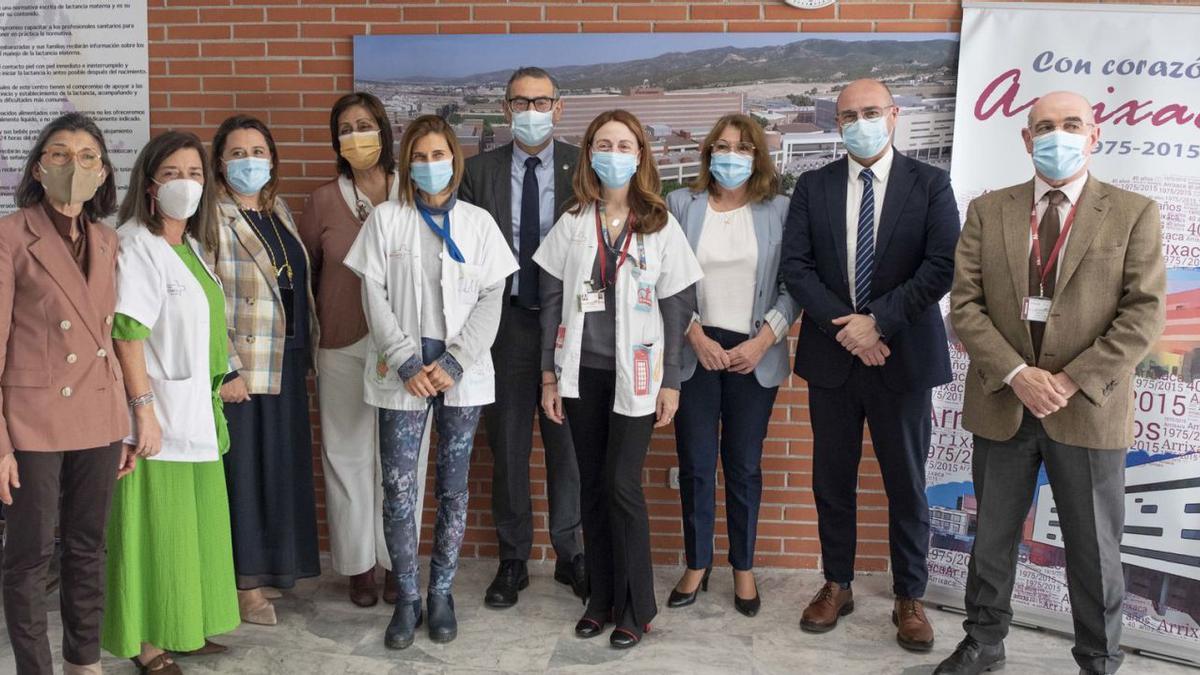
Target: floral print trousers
x: 400, y: 433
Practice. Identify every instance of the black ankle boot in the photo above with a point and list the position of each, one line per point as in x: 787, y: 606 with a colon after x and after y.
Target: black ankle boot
x: 443, y: 626
x: 406, y: 618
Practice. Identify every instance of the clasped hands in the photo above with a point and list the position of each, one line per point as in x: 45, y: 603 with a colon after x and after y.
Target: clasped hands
x: 1041, y: 392
x: 430, y: 381
x: 742, y: 359
x: 860, y: 336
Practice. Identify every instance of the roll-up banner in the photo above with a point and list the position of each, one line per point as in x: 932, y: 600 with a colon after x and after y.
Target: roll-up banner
x: 1139, y: 67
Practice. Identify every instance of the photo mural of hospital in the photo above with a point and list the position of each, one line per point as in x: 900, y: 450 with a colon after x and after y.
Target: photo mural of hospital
x: 677, y: 85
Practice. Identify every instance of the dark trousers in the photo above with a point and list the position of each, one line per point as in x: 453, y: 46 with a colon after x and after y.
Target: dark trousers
x: 509, y: 422
x: 727, y: 413
x: 900, y: 433
x: 611, y: 450
x: 1089, y: 495
x: 74, y: 490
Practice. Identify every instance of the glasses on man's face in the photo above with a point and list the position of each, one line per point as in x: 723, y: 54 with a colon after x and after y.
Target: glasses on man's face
x: 741, y: 148
x: 1069, y: 126
x: 627, y: 147
x: 540, y: 104
x: 871, y: 113
x: 61, y: 155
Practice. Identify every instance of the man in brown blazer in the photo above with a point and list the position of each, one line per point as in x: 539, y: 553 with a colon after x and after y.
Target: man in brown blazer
x: 1058, y: 294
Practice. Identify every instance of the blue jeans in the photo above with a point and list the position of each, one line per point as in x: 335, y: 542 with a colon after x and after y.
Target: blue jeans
x: 726, y: 413
x: 400, y: 433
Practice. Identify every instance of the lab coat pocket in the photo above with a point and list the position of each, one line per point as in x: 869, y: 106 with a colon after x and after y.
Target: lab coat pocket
x: 644, y: 299
x: 469, y: 280
x: 177, y: 405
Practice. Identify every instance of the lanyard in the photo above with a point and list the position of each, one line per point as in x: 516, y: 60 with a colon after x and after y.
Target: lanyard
x: 602, y: 240
x: 1055, y: 252
x: 444, y: 232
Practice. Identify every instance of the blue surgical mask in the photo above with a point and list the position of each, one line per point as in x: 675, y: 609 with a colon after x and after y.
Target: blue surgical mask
x: 532, y: 127
x: 866, y: 138
x: 432, y: 177
x: 614, y: 169
x: 248, y: 175
x: 1059, y: 154
x: 731, y: 169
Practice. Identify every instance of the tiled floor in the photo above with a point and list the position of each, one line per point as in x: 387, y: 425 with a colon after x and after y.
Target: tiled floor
x: 320, y: 632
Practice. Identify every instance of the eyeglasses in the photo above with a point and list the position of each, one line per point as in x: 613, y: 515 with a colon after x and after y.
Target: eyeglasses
x: 627, y: 147
x: 60, y: 155
x: 1070, y: 126
x: 871, y: 113
x: 724, y: 148
x: 540, y: 104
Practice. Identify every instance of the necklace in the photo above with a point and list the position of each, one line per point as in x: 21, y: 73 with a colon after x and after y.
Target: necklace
x: 287, y: 265
x: 360, y: 205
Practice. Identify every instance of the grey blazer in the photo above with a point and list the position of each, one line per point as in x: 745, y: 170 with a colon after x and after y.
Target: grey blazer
x: 487, y: 183
x: 689, y: 209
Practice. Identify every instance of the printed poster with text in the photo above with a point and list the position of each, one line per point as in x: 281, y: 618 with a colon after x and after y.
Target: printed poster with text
x: 1144, y: 85
x: 62, y: 56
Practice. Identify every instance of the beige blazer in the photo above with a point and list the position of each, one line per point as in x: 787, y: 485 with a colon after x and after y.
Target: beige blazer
x: 1107, y: 312
x: 60, y: 382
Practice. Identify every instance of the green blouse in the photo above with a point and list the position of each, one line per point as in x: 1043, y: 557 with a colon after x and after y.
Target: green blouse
x: 127, y: 328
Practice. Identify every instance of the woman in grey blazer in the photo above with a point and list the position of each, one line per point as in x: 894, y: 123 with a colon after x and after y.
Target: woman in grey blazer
x: 736, y: 355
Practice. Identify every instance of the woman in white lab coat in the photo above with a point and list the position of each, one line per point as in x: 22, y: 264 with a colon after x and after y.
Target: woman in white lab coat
x: 433, y: 272
x: 613, y: 319
x: 170, y: 582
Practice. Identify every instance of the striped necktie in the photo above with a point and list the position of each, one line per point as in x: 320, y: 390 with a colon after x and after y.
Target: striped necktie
x: 864, y: 259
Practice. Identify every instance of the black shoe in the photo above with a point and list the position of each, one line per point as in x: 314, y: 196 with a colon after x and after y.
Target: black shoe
x: 972, y: 657
x: 443, y: 626
x: 747, y: 607
x: 573, y: 573
x: 678, y: 599
x: 590, y: 626
x: 512, y: 577
x: 406, y: 619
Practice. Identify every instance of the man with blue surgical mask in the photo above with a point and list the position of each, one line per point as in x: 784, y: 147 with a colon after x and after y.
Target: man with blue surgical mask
x: 868, y: 252
x: 525, y: 185
x: 1058, y: 295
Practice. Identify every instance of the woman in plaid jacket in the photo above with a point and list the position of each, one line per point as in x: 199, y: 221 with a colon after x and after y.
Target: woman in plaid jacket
x: 273, y: 333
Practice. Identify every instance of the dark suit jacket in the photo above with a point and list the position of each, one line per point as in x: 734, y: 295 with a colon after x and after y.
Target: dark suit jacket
x: 487, y: 183
x: 914, y: 268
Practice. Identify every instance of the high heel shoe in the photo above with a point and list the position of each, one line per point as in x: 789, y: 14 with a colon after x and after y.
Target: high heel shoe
x: 748, y: 607
x: 679, y: 599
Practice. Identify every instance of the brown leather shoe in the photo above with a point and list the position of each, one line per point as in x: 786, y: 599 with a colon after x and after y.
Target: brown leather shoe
x: 362, y: 589
x: 391, y: 592
x: 914, y: 634
x: 827, y: 606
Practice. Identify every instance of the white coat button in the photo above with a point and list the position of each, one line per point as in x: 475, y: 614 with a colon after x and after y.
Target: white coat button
x: 71, y: 358
x: 101, y: 353
x: 108, y: 320
x: 250, y: 338
x: 66, y: 391
x: 65, y: 325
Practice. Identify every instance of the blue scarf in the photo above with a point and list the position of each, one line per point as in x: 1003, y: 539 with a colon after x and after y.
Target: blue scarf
x: 429, y: 212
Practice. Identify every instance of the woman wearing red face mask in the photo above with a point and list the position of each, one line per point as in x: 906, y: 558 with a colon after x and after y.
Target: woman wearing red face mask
x: 63, y: 401
x: 170, y: 565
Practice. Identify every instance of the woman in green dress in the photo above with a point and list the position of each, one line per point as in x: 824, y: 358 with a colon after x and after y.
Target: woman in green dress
x: 170, y: 566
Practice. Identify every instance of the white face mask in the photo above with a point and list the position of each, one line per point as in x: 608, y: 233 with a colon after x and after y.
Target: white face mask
x: 179, y: 198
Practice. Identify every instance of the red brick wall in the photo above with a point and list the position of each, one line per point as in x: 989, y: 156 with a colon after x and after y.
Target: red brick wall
x: 288, y: 60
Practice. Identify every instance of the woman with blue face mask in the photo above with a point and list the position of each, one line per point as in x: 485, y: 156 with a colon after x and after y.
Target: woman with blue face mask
x: 736, y: 353
x: 433, y: 270
x: 614, y: 271
x: 273, y: 334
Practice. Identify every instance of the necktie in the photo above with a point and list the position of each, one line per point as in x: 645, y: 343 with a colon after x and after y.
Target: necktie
x: 530, y: 236
x: 1048, y: 231
x: 864, y: 259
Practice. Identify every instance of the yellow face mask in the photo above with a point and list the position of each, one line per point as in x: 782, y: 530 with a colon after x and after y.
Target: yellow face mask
x: 360, y: 148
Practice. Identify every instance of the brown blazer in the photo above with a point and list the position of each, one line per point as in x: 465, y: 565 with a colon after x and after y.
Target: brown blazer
x: 1107, y: 312
x: 60, y: 382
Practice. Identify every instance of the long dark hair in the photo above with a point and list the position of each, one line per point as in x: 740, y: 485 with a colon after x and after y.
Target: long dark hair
x: 644, y: 197
x: 266, y: 197
x: 387, y: 139
x: 30, y: 191
x: 137, y: 203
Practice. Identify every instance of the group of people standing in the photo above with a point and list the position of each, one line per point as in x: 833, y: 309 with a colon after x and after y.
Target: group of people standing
x: 162, y: 368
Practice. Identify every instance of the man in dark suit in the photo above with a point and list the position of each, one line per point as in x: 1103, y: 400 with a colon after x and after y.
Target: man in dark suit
x: 525, y: 185
x: 868, y: 251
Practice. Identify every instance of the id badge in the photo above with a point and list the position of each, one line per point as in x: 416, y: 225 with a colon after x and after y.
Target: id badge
x: 645, y: 297
x: 591, y: 300
x: 641, y: 370
x: 1035, y: 309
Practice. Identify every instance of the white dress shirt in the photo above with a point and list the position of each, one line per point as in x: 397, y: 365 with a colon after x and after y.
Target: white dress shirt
x: 728, y: 254
x: 1041, y: 202
x: 854, y: 193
